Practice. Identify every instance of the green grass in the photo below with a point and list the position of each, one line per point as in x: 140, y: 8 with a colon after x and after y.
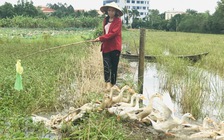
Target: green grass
x: 46, y: 75
x: 98, y: 126
x: 188, y: 83
x: 177, y: 43
x: 71, y: 76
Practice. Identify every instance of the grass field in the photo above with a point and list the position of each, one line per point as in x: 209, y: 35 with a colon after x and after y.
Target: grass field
x: 71, y: 76
x: 195, y: 81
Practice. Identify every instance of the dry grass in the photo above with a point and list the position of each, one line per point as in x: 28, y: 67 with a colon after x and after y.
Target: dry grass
x: 88, y: 82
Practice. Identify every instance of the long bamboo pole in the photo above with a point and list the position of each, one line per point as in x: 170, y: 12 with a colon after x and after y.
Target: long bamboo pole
x: 57, y: 47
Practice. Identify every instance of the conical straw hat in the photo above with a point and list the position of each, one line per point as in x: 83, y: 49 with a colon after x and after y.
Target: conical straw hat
x: 113, y: 5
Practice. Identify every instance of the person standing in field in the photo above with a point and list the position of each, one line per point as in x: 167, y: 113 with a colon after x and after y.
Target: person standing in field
x: 111, y: 42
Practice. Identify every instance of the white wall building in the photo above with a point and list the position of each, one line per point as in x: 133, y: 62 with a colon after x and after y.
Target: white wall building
x: 170, y: 14
x: 141, y: 5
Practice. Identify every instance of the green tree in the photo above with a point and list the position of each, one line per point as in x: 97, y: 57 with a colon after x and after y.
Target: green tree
x: 191, y: 12
x: 78, y: 13
x: 62, y: 10
x: 174, y: 22
x: 135, y: 14
x: 129, y: 16
x: 216, y: 22
x: 25, y: 8
x: 7, y: 10
x: 194, y: 23
x: 125, y: 14
x: 91, y: 13
x: 154, y: 19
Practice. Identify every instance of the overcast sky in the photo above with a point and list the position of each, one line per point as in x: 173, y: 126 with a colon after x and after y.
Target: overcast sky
x: 161, y: 5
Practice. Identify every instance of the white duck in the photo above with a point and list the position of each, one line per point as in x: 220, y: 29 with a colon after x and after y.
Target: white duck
x: 92, y: 106
x: 123, y: 113
x: 166, y: 112
x: 220, y: 132
x: 202, y: 135
x: 222, y: 127
x: 147, y: 110
x: 164, y: 107
x: 121, y: 105
x: 208, y: 132
x: 107, y: 102
x: 40, y: 119
x: 130, y: 93
x: 205, y: 134
x: 107, y: 99
x: 204, y: 127
x: 47, y: 122
x: 119, y: 97
x: 113, y: 89
x: 124, y: 104
x: 170, y: 123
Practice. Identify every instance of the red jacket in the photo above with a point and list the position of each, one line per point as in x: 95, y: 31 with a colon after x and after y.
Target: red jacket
x: 112, y: 40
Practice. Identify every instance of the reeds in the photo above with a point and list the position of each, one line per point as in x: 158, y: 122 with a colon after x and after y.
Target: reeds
x: 185, y: 82
x: 57, y: 79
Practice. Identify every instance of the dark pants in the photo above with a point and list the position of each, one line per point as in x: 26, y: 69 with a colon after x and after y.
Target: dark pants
x: 110, y: 63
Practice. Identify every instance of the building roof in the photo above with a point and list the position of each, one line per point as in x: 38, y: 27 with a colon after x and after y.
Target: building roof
x: 173, y: 11
x: 45, y: 9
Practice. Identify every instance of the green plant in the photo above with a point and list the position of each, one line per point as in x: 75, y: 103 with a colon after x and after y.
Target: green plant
x: 98, y: 127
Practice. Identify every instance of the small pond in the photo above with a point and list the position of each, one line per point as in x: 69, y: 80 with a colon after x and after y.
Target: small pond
x: 213, y: 93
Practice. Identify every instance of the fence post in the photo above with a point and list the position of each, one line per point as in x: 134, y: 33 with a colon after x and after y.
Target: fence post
x: 141, y: 60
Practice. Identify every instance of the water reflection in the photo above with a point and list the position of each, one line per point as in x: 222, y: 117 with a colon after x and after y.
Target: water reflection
x: 212, y: 89
x: 151, y: 80
x: 214, y: 104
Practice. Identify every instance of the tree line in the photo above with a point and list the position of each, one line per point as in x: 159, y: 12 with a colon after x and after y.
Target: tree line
x: 190, y: 21
x: 26, y: 8
x: 25, y: 15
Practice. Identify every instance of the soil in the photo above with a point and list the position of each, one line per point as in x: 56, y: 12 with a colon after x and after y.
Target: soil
x: 136, y: 130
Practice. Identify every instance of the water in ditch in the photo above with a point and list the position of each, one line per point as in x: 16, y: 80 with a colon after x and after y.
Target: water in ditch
x: 214, y: 98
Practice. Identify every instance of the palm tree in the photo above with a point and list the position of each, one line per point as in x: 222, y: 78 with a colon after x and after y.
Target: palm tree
x: 125, y: 12
x: 135, y: 13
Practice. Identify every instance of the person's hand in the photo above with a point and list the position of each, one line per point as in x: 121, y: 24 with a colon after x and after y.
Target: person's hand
x: 96, y: 40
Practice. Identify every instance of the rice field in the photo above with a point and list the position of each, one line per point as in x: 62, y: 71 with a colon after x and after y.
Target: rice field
x: 70, y: 76
x: 196, y: 87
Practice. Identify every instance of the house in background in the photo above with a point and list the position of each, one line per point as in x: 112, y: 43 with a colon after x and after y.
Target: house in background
x: 172, y: 13
x: 46, y: 10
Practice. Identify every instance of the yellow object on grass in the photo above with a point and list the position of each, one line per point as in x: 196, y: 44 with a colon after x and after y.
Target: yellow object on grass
x: 19, y: 70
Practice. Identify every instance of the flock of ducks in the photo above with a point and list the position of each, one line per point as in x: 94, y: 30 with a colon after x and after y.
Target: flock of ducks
x: 125, y: 104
